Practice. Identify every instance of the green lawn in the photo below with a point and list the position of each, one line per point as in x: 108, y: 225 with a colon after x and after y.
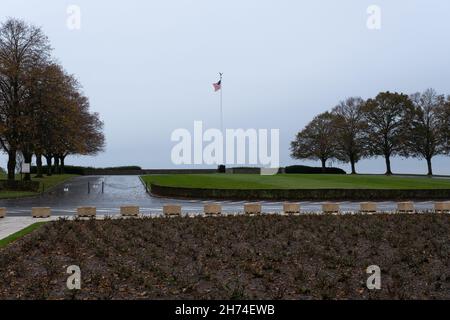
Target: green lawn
x: 296, y: 181
x: 44, y: 183
x: 4, y: 242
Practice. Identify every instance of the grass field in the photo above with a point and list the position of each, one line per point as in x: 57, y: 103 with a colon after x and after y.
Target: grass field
x: 19, y: 234
x: 44, y: 183
x: 296, y: 181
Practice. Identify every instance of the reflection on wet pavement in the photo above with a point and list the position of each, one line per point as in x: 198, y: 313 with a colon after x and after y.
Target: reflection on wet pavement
x: 129, y: 190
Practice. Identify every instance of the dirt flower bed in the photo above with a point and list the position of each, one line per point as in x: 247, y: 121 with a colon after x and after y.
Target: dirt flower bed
x: 267, y: 257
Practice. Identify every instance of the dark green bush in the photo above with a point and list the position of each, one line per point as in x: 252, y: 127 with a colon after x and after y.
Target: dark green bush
x: 313, y: 170
x: 67, y: 169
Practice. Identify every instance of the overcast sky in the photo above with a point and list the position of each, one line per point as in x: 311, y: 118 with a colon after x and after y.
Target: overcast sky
x: 148, y: 66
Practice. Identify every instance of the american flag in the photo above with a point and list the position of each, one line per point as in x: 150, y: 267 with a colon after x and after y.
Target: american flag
x: 217, y: 86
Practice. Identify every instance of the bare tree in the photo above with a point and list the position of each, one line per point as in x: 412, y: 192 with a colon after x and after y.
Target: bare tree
x: 316, y: 141
x: 386, y: 116
x: 444, y: 116
x: 350, y: 130
x: 425, y: 136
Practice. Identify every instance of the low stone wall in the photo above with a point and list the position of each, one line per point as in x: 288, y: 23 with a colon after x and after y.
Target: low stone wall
x: 114, y: 172
x: 178, y: 171
x: 301, y: 194
x: 106, y: 172
x: 243, y: 170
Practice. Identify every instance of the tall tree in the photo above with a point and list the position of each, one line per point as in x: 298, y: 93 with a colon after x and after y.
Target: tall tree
x: 350, y: 131
x: 386, y: 116
x: 48, y: 96
x: 426, y: 130
x: 316, y: 141
x: 21, y: 46
x: 84, y: 132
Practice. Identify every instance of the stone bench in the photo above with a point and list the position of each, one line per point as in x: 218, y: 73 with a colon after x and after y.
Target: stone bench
x: 252, y: 208
x: 442, y: 207
x: 172, y: 210
x: 405, y: 207
x: 291, y: 208
x: 368, y: 207
x: 211, y: 209
x: 2, y: 212
x: 330, y: 207
x: 129, y: 211
x: 86, y: 211
x: 40, y: 212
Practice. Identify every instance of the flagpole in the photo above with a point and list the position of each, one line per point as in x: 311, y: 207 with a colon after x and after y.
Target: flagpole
x: 221, y: 105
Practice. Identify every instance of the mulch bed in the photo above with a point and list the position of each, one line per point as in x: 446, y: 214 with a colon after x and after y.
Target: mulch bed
x: 261, y: 257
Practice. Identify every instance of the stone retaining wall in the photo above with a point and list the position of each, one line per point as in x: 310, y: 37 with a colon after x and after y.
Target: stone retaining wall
x: 302, y: 194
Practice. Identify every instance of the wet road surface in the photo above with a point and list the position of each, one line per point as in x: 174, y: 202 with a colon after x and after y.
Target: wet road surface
x: 129, y: 190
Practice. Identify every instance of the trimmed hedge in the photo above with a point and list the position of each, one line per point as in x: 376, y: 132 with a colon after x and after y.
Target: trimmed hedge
x: 302, y: 194
x: 313, y: 170
x: 89, y: 170
x: 18, y: 185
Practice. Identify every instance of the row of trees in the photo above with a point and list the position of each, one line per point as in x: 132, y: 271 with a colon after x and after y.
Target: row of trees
x: 43, y: 111
x: 391, y: 124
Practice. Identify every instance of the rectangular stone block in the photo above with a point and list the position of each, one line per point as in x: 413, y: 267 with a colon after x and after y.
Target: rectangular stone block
x: 442, y: 207
x: 2, y: 212
x: 252, y: 208
x: 86, y: 211
x: 330, y: 208
x: 40, y: 212
x: 129, y: 211
x: 212, y: 209
x: 368, y: 207
x: 172, y: 210
x: 291, y: 208
x: 405, y: 207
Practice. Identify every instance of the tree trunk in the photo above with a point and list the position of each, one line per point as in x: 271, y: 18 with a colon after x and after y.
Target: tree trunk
x: 27, y: 159
x: 56, y: 161
x: 353, y: 166
x: 12, y: 164
x: 38, y: 166
x: 49, y: 165
x: 388, y: 165
x: 62, y: 164
x: 430, y: 167
x: 324, y: 164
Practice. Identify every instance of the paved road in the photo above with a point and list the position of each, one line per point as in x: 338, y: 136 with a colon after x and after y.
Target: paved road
x: 128, y: 190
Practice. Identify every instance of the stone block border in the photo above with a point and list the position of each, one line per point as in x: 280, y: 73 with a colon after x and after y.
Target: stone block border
x: 86, y: 212
x: 40, y: 212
